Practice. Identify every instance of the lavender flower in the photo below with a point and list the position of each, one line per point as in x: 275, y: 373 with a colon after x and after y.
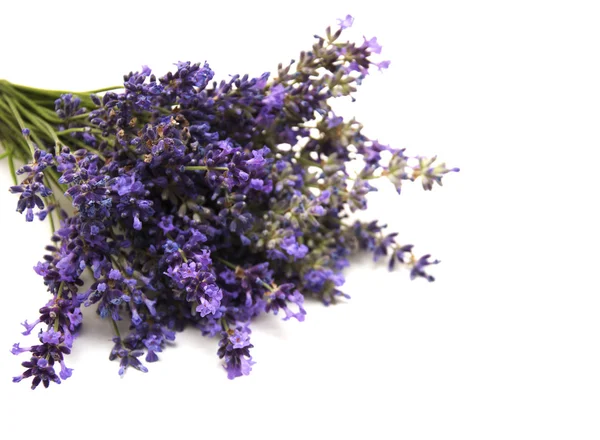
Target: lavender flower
x: 234, y: 347
x: 201, y: 204
x: 346, y: 22
x: 33, y: 187
x: 41, y: 371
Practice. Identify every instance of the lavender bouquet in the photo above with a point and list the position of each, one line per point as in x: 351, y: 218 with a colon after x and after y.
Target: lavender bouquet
x: 197, y: 203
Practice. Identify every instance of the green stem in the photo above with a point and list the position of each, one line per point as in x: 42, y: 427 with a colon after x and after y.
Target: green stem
x: 116, y: 262
x: 79, y: 130
x: 11, y: 167
x: 36, y: 138
x: 37, y: 123
x: 227, y: 263
x: 17, y: 116
x: 60, y: 289
x: 103, y: 89
x: 81, y: 116
x: 3, y: 155
x: 52, y: 225
x: 44, y: 112
x: 115, y: 328
x: 52, y: 200
x: 46, y: 92
x: 309, y: 162
x: 224, y: 324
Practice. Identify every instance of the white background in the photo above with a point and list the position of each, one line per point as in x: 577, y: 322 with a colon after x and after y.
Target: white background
x: 504, y: 345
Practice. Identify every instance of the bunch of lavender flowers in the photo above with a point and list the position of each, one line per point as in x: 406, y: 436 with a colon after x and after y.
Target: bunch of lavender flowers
x: 197, y: 203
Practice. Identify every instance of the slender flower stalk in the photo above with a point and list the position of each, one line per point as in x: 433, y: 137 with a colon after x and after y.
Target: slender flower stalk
x: 205, y: 168
x: 196, y: 203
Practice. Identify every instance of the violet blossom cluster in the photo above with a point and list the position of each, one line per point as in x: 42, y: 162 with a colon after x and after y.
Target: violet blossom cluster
x: 204, y: 204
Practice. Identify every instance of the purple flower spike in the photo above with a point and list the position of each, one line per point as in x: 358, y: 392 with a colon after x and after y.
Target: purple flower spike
x: 235, y: 349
